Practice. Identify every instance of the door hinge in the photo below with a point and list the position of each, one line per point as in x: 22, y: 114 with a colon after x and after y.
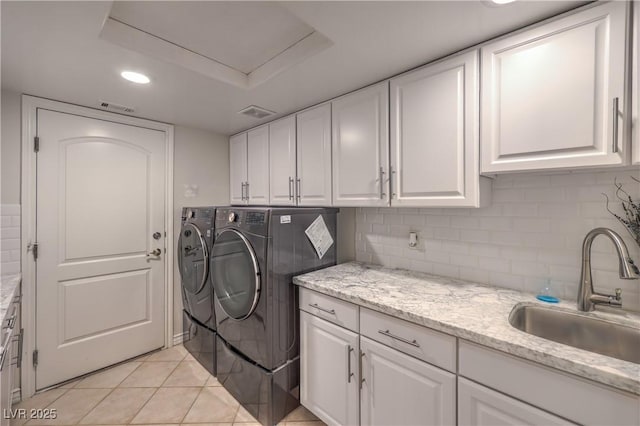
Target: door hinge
x: 36, y: 144
x: 35, y: 358
x: 34, y: 250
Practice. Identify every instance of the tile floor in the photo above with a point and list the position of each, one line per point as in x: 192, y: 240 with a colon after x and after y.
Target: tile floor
x: 164, y: 388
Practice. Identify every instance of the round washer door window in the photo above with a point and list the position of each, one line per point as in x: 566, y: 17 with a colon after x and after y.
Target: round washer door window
x: 192, y: 258
x: 235, y: 274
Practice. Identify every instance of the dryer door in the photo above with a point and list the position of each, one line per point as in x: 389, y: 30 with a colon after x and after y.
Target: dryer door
x: 235, y: 274
x: 193, y: 259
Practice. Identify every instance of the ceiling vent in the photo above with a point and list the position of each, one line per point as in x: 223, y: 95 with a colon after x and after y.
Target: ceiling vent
x: 110, y: 106
x: 256, y: 112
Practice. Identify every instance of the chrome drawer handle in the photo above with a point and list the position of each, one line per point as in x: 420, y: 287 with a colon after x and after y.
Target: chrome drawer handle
x: 614, y: 147
x: 329, y: 311
x: 402, y: 339
x: 349, y: 373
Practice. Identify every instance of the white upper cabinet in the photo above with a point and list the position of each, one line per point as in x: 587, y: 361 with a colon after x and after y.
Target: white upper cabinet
x: 635, y: 134
x: 553, y: 96
x: 434, y: 135
x: 238, y: 168
x: 313, y: 185
x: 257, y: 188
x: 360, y: 130
x: 282, y: 162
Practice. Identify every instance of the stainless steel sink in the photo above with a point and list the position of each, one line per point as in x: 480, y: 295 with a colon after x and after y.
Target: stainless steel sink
x: 578, y: 330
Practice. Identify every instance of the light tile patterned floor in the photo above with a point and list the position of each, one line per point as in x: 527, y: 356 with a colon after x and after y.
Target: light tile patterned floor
x: 166, y: 388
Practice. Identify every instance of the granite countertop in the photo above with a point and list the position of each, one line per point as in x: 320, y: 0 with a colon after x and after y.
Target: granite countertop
x: 470, y: 311
x: 8, y: 286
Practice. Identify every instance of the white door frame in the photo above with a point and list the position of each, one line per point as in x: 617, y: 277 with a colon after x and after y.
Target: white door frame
x: 30, y: 104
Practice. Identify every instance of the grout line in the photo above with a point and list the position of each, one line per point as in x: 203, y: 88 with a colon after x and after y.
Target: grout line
x: 143, y: 405
x: 191, y: 406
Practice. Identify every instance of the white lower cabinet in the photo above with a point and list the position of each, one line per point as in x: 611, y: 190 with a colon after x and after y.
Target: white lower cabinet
x: 329, y: 370
x: 400, y: 390
x: 481, y: 406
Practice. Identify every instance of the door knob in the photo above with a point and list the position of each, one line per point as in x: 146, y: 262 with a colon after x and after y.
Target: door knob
x: 155, y: 253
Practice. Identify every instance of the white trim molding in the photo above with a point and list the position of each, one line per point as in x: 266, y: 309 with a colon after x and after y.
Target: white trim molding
x: 30, y: 105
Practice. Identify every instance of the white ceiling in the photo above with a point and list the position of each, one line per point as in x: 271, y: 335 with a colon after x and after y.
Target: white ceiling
x: 53, y: 50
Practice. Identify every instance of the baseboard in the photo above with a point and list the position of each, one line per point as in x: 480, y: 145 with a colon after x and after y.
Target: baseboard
x: 178, y: 338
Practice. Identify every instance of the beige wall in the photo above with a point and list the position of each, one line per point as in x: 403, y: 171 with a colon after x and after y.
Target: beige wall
x: 200, y: 158
x: 10, y: 148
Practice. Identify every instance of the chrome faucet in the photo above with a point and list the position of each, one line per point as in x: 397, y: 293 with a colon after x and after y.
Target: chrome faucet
x: 587, y: 298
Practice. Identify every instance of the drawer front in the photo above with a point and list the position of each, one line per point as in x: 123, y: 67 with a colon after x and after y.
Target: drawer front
x: 571, y: 397
x: 329, y: 308
x: 423, y: 343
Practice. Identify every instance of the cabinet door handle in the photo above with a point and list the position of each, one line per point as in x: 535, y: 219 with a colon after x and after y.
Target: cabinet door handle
x: 614, y: 147
x: 402, y: 339
x: 298, y: 189
x: 329, y: 311
x: 391, y: 188
x: 360, y: 369
x: 242, y: 191
x: 349, y: 373
x: 290, y: 188
x: 382, y: 194
x: 246, y: 185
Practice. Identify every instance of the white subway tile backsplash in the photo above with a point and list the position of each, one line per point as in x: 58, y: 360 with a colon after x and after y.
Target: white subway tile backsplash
x: 10, y: 239
x: 530, y: 234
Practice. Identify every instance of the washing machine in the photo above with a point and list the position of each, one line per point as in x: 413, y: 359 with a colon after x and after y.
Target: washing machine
x: 199, y: 321
x: 256, y: 253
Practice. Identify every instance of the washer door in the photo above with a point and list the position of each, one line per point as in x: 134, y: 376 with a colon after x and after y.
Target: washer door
x: 193, y: 258
x: 235, y: 274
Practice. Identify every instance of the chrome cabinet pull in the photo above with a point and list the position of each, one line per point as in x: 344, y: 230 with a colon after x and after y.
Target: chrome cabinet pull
x: 242, y: 191
x: 360, y: 369
x: 349, y: 373
x: 246, y: 185
x: 391, y: 188
x: 329, y: 311
x: 402, y: 339
x: 614, y: 147
x: 382, y: 193
x: 298, y: 189
x: 290, y: 188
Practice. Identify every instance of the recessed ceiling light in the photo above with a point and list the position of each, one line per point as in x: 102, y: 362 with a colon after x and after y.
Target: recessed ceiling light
x: 502, y: 1
x: 135, y: 77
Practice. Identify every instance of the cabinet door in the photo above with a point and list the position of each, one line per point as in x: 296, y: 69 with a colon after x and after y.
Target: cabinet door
x: 329, y: 371
x: 282, y: 162
x: 360, y: 146
x: 549, y: 94
x: 6, y: 378
x: 481, y: 406
x: 434, y: 134
x: 238, y: 168
x: 635, y: 133
x: 400, y: 390
x: 313, y: 187
x: 257, y: 187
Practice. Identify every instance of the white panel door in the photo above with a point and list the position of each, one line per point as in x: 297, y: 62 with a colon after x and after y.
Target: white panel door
x: 434, y: 135
x: 549, y: 94
x: 313, y: 186
x: 481, y: 406
x: 400, y: 390
x: 257, y: 187
x: 100, y: 293
x: 282, y: 162
x: 238, y: 168
x: 635, y: 85
x: 360, y: 147
x: 329, y: 378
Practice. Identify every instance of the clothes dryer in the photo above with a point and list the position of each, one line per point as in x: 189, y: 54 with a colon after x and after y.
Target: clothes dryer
x: 256, y: 253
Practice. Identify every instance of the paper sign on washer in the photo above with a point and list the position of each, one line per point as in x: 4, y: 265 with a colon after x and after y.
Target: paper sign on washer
x: 319, y: 236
